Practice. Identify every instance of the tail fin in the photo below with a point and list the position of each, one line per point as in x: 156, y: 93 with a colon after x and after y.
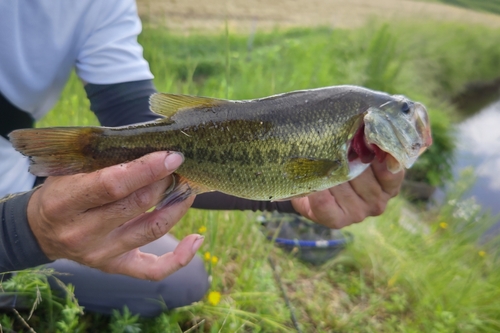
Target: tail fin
x: 58, y: 151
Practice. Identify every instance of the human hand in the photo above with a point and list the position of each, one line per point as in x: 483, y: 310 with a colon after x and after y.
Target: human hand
x: 351, y: 202
x: 99, y: 219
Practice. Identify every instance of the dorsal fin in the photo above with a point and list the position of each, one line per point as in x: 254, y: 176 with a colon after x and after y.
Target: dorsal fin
x: 169, y: 104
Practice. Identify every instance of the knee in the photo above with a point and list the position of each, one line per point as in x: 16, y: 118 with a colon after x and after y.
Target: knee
x: 186, y: 286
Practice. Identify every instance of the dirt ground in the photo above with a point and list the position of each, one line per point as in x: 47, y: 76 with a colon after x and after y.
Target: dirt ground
x: 248, y: 15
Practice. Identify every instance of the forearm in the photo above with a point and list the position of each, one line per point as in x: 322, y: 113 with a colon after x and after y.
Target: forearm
x: 19, y: 248
x: 121, y: 104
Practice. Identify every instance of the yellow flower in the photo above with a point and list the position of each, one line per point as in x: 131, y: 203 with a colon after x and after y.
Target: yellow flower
x: 207, y: 256
x: 214, y: 297
x: 202, y: 229
x: 214, y: 259
x: 443, y: 225
x: 482, y: 253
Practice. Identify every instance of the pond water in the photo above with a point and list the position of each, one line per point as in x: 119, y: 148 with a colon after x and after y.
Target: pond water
x: 478, y: 146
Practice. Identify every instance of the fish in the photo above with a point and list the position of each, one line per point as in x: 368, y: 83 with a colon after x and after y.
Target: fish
x: 273, y: 148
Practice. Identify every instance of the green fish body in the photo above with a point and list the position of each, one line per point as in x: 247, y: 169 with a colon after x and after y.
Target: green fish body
x: 272, y: 148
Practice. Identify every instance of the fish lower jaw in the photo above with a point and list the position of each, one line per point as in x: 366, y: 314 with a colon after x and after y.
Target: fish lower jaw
x: 404, y: 160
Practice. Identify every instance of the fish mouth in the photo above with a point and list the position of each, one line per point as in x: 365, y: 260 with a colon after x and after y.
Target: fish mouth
x: 366, y: 152
x: 397, y: 140
x: 360, y: 148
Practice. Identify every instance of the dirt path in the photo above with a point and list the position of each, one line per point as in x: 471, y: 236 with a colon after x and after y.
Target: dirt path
x: 245, y: 15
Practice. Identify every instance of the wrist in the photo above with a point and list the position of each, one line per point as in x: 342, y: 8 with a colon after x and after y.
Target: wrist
x: 39, y: 229
x: 19, y: 248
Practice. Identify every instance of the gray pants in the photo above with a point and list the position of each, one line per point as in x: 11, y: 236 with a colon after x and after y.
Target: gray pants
x: 101, y: 292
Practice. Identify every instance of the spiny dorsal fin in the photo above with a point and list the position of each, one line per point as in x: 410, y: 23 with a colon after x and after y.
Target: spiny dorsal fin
x: 169, y: 104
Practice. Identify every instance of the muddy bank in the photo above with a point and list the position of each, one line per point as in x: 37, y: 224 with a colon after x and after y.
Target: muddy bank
x: 477, y: 95
x: 246, y: 15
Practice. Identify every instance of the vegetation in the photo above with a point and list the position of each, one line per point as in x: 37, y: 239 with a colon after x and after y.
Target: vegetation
x: 407, y: 271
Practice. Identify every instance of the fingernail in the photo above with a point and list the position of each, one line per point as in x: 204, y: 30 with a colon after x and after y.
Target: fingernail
x: 197, y: 243
x: 173, y: 161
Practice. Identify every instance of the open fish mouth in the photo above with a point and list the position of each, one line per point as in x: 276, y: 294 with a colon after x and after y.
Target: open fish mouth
x: 399, y: 140
x: 361, y: 149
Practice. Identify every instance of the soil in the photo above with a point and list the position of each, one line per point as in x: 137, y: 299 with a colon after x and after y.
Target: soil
x: 247, y: 15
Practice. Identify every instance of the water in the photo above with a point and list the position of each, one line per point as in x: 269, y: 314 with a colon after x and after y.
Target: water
x: 478, y: 146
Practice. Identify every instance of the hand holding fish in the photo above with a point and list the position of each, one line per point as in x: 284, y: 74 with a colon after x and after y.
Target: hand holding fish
x: 98, y: 219
x: 351, y: 202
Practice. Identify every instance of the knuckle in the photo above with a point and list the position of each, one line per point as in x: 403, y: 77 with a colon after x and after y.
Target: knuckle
x: 378, y: 208
x: 358, y: 216
x: 321, y: 208
x: 338, y: 224
x: 183, y: 262
x: 92, y: 259
x: 395, y: 192
x: 153, y: 275
x: 110, y: 185
x: 52, y: 208
x: 142, y: 199
x: 331, y: 222
x: 155, y: 229
x: 320, y: 202
x: 71, y: 239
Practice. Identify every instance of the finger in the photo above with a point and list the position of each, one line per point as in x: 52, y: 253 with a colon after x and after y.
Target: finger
x: 369, y: 189
x: 119, y: 181
x: 352, y: 207
x: 152, y: 267
x: 333, y: 208
x: 109, y: 216
x: 146, y: 228
x: 323, y: 208
x: 389, y: 182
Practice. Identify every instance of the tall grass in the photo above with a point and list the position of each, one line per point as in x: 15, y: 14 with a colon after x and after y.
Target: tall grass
x: 406, y: 271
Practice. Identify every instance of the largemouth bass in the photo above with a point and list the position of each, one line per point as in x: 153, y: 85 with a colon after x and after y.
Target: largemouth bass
x: 272, y: 148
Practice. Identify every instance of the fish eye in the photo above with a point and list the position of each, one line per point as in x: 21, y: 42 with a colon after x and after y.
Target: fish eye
x: 405, y: 108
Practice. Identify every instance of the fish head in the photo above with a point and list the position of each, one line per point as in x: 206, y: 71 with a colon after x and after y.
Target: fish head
x: 400, y: 128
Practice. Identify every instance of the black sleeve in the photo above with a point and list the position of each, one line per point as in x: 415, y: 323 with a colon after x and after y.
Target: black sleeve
x: 19, y: 248
x: 121, y: 104
x: 128, y: 103
x: 218, y: 200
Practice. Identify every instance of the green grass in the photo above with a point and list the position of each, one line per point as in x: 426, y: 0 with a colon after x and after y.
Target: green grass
x: 391, y: 279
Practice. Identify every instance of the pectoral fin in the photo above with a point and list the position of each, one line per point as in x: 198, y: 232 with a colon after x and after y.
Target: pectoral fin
x: 169, y: 104
x: 180, y: 189
x: 303, y: 168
